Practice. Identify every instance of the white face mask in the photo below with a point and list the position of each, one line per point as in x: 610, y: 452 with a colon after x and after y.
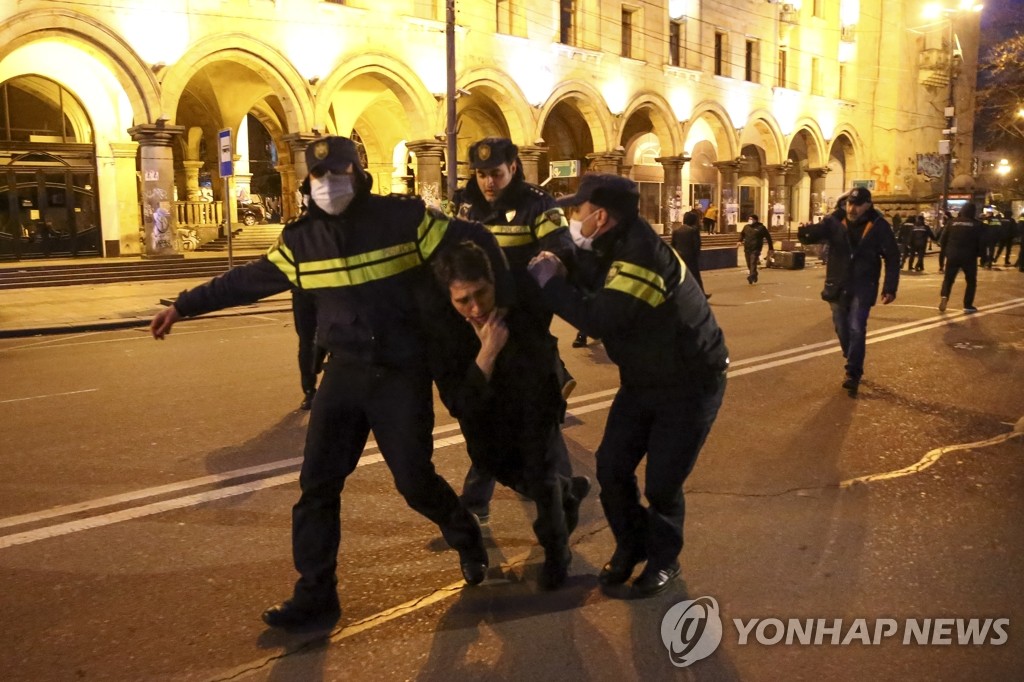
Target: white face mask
x: 576, y: 232
x: 332, y: 193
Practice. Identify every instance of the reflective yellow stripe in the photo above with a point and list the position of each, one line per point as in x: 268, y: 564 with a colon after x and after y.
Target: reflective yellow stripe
x: 649, y: 276
x: 281, y: 256
x: 636, y: 281
x: 346, y: 277
x: 634, y: 287
x: 551, y: 221
x: 430, y: 233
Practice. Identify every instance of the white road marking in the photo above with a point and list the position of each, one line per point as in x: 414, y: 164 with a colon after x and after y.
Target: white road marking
x: 48, y: 395
x: 933, y: 456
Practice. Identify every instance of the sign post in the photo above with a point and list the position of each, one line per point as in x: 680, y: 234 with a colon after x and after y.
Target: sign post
x: 565, y: 169
x: 224, y: 147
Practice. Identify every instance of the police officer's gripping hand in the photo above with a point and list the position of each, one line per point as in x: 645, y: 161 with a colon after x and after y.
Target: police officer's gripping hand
x: 163, y: 321
x: 544, y: 266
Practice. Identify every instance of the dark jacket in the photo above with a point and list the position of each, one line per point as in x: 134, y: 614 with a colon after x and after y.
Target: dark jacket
x: 363, y: 267
x: 650, y: 313
x: 919, y: 236
x: 686, y: 242
x: 509, y: 420
x: 964, y: 240
x: 856, y: 252
x: 753, y: 236
x: 904, y: 234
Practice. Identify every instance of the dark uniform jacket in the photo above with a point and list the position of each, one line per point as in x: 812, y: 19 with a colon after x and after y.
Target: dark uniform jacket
x: 754, y: 235
x: 363, y: 267
x: 919, y: 236
x: 525, y: 221
x: 856, y: 252
x: 650, y: 313
x: 964, y: 240
x: 509, y: 420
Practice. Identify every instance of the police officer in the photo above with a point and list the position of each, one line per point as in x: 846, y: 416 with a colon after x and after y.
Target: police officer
x: 964, y: 242
x: 919, y: 236
x: 658, y: 328
x: 362, y: 256
x: 524, y: 220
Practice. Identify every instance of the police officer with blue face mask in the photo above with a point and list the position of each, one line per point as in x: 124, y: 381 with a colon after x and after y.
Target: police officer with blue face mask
x: 363, y: 256
x: 656, y: 325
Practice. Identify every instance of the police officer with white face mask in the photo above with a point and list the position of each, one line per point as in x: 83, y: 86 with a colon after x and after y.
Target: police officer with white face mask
x: 363, y: 257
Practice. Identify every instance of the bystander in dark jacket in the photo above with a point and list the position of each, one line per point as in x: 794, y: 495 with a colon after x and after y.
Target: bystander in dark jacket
x: 686, y: 242
x: 964, y: 242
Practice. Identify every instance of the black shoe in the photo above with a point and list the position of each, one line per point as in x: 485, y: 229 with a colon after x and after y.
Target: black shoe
x: 474, y: 568
x: 580, y: 341
x: 851, y: 384
x: 292, y: 615
x: 307, y: 402
x: 578, y: 488
x: 619, y: 568
x: 554, y: 571
x: 654, y: 580
x: 750, y: 279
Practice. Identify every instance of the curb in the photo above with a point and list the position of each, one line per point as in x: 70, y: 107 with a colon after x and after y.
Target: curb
x: 141, y: 322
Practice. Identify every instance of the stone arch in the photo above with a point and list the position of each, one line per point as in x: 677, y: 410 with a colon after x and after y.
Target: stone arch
x: 581, y: 98
x: 717, y: 119
x: 94, y: 39
x: 503, y: 91
x: 762, y: 130
x: 816, y: 150
x: 388, y: 106
x: 663, y: 121
x: 265, y: 61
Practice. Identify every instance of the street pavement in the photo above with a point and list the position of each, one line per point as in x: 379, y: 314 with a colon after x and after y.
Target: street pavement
x: 146, y: 490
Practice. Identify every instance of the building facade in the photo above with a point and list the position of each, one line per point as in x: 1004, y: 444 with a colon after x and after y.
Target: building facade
x: 111, y: 116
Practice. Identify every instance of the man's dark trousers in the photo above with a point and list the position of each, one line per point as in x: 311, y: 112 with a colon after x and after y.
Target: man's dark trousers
x: 850, y: 318
x: 970, y: 268
x: 669, y: 425
x: 397, y: 404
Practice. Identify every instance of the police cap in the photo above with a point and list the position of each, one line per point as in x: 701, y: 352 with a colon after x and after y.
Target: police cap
x: 491, y: 152
x: 607, y: 191
x: 332, y: 153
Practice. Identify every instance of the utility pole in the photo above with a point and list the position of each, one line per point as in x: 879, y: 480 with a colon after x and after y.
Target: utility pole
x: 950, y: 124
x: 451, y: 135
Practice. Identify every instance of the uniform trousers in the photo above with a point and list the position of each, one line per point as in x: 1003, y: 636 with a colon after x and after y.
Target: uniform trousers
x: 397, y: 405
x: 850, y: 319
x: 970, y: 268
x: 669, y: 425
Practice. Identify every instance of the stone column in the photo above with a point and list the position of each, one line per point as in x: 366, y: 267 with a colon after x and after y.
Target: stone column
x: 778, y: 193
x: 289, y: 205
x: 672, y: 190
x: 819, y: 205
x: 429, y: 154
x: 157, y: 169
x: 129, y: 219
x: 606, y: 162
x: 530, y: 157
x: 192, y: 169
x: 297, y: 143
x: 729, y: 208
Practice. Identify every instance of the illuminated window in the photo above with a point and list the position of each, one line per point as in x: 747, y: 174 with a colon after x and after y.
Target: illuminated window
x: 783, y: 68
x: 721, y: 53
x: 842, y: 82
x: 750, y: 70
x: 676, y: 42
x: 510, y: 19
x: 627, y: 32
x: 819, y: 9
x: 37, y: 109
x: 567, y: 22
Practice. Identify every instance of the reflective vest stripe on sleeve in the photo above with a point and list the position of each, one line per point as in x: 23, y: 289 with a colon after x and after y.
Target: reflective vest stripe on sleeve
x: 641, y: 283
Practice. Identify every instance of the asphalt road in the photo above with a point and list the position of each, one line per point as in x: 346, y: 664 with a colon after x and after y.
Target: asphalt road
x: 146, y: 490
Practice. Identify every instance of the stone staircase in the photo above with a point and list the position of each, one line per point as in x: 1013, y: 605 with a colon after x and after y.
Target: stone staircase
x: 114, y: 270
x: 253, y: 238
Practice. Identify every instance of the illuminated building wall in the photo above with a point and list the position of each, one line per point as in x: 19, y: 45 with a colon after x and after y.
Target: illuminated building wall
x: 763, y: 107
